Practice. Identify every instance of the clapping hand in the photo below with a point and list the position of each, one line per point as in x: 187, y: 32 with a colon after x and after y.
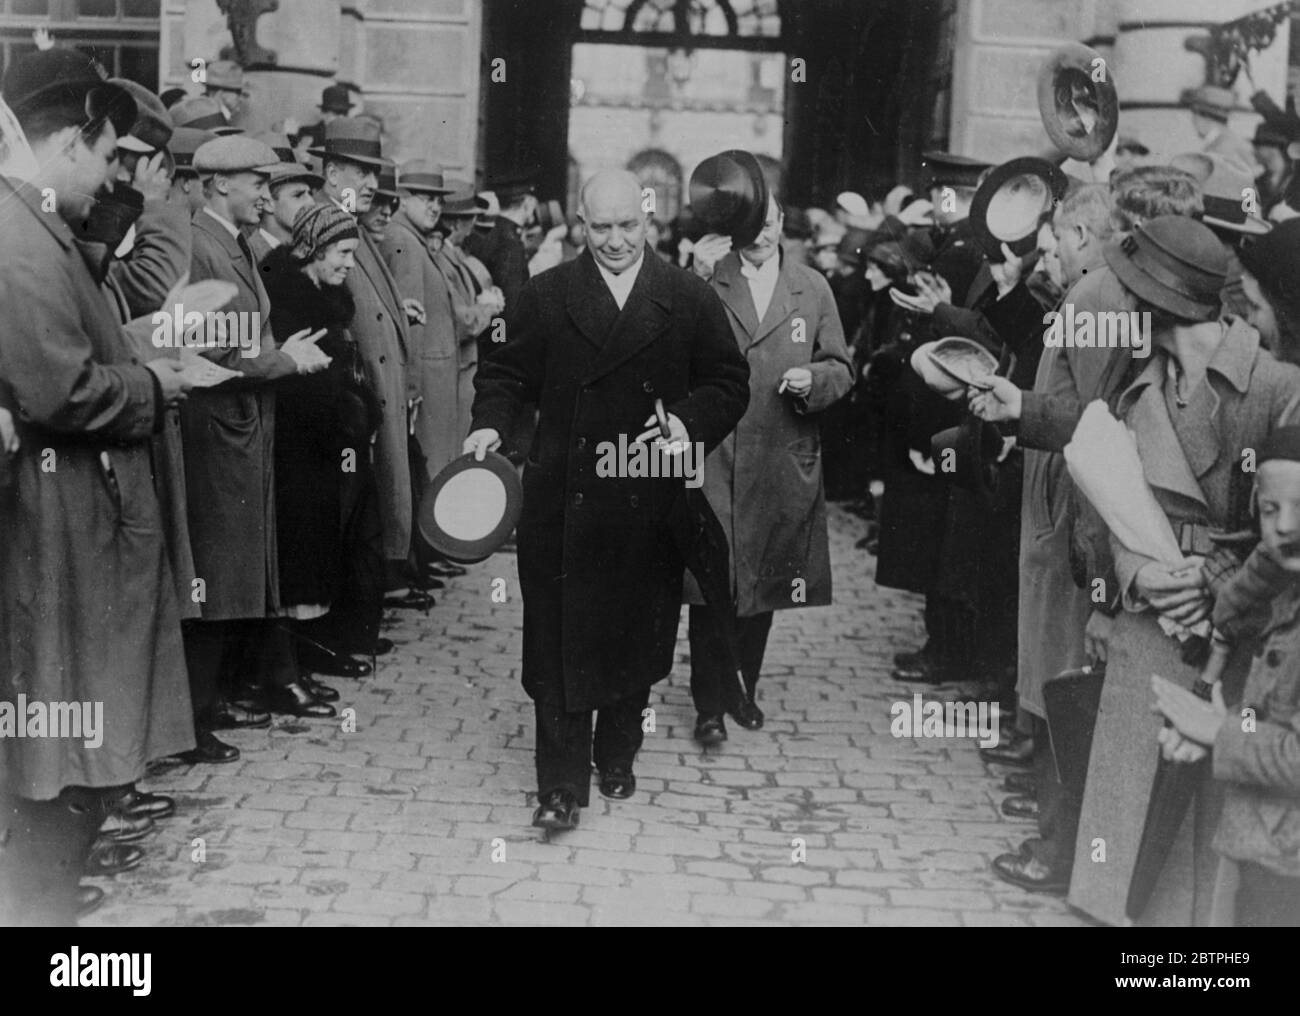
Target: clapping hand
x: 302, y: 349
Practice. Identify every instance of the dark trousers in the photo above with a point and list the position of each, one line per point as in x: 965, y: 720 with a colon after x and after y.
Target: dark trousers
x: 1266, y: 899
x: 565, y: 748
x: 223, y: 655
x: 722, y: 644
x: 1058, y: 807
x: 43, y: 849
x: 352, y: 625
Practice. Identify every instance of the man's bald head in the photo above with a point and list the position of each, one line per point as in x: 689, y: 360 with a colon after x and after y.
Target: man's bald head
x: 610, y: 208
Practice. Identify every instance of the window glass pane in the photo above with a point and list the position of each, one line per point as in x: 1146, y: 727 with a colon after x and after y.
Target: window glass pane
x: 140, y: 64
x: 97, y: 8
x: 29, y: 7
x: 141, y: 8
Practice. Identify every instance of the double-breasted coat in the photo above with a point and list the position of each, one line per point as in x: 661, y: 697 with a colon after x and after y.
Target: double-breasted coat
x: 87, y: 606
x: 764, y: 481
x: 1190, y: 463
x: 381, y: 332
x: 229, y: 433
x: 443, y: 380
x: 601, y: 576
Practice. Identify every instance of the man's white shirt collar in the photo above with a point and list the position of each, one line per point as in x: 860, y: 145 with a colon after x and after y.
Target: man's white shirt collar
x: 271, y: 239
x: 762, y: 281
x: 620, y: 285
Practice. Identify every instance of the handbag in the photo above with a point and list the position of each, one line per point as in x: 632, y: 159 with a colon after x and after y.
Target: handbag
x: 1071, y: 700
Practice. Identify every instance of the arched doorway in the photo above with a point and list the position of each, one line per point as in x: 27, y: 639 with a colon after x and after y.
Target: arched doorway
x: 662, y: 173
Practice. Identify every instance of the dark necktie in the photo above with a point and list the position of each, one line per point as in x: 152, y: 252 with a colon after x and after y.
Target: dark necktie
x: 247, y: 251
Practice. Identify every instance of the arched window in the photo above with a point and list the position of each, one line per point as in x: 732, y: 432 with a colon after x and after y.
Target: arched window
x: 745, y: 18
x: 656, y: 169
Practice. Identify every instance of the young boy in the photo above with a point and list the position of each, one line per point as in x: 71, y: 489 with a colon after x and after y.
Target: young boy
x: 1256, y: 751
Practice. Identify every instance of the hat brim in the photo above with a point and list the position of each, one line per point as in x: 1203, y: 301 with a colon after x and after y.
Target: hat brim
x: 470, y: 508
x: 1252, y: 226
x: 1153, y: 292
x: 420, y: 188
x: 936, y: 380
x: 1056, y: 183
x: 362, y: 160
x: 744, y: 222
x: 1075, y: 56
x: 313, y: 180
x: 130, y: 143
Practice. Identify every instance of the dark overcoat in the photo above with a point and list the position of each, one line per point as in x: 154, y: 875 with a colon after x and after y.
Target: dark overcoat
x: 229, y: 433
x: 601, y: 577
x: 87, y: 606
x: 764, y: 482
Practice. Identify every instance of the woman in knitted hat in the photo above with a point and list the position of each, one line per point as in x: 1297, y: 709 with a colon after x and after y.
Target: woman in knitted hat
x: 323, y: 423
x: 1207, y: 392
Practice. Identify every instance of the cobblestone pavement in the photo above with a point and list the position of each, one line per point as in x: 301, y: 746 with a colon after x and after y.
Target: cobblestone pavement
x: 421, y: 816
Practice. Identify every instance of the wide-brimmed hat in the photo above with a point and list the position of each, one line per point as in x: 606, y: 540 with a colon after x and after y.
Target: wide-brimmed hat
x: 225, y: 75
x: 59, y: 75
x: 1079, y: 113
x: 1224, y: 187
x: 1274, y: 259
x: 336, y: 99
x: 729, y: 196
x: 462, y: 201
x: 1209, y: 100
x: 419, y: 176
x: 1174, y: 263
x: 387, y: 186
x: 1011, y: 202
x: 202, y: 113
x: 353, y: 140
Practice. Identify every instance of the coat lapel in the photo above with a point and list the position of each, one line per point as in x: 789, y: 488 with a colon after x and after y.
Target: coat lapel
x: 785, y: 299
x: 733, y: 288
x: 377, y: 272
x: 1163, y: 460
x: 238, y: 262
x: 646, y: 315
x: 590, y: 304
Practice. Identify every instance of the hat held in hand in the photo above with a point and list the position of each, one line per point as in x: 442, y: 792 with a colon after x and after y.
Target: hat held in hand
x: 729, y: 196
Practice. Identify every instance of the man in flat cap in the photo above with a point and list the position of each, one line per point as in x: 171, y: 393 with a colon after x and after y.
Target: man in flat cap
x: 87, y: 606
x: 186, y: 188
x: 229, y: 433
x: 224, y: 84
x: 1211, y: 106
x: 292, y: 186
x: 595, y: 342
x: 203, y: 113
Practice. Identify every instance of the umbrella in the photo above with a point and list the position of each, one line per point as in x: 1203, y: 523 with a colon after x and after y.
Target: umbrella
x: 1172, y: 791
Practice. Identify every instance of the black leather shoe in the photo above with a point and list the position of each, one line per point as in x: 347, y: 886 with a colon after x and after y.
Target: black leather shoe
x: 318, y: 691
x: 89, y: 897
x: 379, y: 647
x: 1015, y: 753
x: 617, y: 783
x: 558, y: 811
x: 910, y: 658
x: 120, y: 827
x: 747, y: 714
x: 414, y: 600
x: 710, y: 730
x: 1020, y: 807
x: 1029, y: 873
x: 112, y: 858
x: 232, y: 716
x: 295, y: 700
x: 208, y: 749
x: 1020, y: 783
x: 320, y: 660
x: 155, y: 806
x: 446, y: 569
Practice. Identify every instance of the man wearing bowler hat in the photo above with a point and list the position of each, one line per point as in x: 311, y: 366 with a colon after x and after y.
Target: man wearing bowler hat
x: 595, y: 342
x: 335, y: 101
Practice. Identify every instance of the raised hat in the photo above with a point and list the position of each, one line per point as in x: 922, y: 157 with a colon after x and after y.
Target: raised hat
x: 202, y: 113
x: 1079, y: 113
x: 1011, y: 202
x: 60, y: 75
x: 853, y: 203
x: 470, y: 508
x: 1129, y: 143
x: 226, y: 75
x: 235, y: 154
x: 1210, y: 100
x: 354, y: 140
x: 336, y: 99
x: 945, y: 169
x: 729, y: 196
x: 1173, y: 262
x: 1277, y: 132
x: 423, y: 177
x: 153, y: 124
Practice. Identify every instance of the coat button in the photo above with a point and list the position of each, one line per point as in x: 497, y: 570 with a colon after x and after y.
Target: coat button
x: 582, y: 443
x: 577, y: 499
x: 1273, y: 658
x: 636, y: 501
x: 647, y: 387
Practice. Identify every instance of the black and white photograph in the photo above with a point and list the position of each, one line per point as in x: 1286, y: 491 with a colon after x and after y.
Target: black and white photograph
x: 650, y: 463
